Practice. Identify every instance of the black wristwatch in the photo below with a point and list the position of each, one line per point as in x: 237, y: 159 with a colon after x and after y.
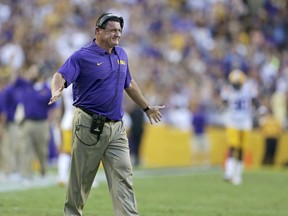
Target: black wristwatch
x: 146, y: 109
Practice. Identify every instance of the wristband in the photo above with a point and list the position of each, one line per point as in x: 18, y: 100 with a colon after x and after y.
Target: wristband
x: 146, y: 109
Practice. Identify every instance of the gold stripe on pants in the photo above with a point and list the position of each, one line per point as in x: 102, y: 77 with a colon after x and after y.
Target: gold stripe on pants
x: 113, y: 150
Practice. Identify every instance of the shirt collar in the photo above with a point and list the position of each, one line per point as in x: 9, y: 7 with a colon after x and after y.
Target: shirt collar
x: 101, y: 50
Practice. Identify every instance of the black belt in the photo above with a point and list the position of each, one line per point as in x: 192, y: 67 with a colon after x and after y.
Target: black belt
x: 90, y: 113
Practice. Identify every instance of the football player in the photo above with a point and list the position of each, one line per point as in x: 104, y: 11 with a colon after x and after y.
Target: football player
x: 239, y: 98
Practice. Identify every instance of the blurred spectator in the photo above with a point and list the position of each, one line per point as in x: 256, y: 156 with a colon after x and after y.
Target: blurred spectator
x: 35, y: 128
x: 13, y: 116
x: 70, y: 40
x: 136, y: 131
x: 279, y: 101
x: 2, y: 131
x: 12, y: 54
x: 271, y: 129
x: 200, y: 143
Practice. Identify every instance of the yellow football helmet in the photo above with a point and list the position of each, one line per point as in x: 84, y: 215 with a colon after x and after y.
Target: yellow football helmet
x: 237, y: 76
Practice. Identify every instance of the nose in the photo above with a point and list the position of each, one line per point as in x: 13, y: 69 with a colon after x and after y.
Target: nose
x: 118, y: 33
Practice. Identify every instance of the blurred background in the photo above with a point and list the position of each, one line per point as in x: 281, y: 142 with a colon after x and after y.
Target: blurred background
x: 180, y: 53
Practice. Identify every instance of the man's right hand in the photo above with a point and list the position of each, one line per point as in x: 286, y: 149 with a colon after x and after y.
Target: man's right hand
x: 57, y: 86
x: 55, y: 95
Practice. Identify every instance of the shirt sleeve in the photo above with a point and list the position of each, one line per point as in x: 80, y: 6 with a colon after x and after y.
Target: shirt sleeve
x: 70, y: 70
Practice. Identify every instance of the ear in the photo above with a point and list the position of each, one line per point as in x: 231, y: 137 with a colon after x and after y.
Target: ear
x: 97, y: 29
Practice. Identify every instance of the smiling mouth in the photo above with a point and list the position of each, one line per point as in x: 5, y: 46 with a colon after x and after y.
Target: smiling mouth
x: 116, y: 40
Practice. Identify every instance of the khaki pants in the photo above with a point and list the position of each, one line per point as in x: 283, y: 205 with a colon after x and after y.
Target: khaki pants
x: 112, y: 149
x: 3, y: 151
x: 35, y: 137
x: 13, y: 147
x: 9, y: 149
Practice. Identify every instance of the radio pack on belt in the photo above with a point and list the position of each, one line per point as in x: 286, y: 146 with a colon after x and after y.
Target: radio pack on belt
x: 97, y: 124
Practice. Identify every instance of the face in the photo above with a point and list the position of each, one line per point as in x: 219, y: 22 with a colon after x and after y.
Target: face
x: 32, y: 73
x: 110, y: 36
x: 237, y: 86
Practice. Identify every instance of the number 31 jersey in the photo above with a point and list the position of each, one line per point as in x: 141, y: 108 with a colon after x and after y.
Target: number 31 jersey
x: 239, y: 110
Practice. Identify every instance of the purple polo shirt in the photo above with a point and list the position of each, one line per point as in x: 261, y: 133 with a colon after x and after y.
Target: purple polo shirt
x: 98, y: 78
x: 11, y: 95
x: 199, y: 122
x: 35, y: 98
x: 1, y: 101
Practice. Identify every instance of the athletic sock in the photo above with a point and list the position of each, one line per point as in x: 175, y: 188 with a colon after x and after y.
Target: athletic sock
x: 63, y: 167
x: 230, y: 166
x: 237, y: 179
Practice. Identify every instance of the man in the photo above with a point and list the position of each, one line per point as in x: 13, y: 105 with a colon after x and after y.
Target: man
x: 200, y: 143
x: 100, y: 74
x: 136, y: 133
x: 239, y: 98
x: 271, y: 129
x: 34, y: 95
x: 3, y: 170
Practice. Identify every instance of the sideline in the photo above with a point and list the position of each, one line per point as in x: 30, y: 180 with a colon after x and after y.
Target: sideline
x: 51, y: 178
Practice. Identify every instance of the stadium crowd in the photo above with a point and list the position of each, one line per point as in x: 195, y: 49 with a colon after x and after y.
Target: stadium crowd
x: 181, y: 49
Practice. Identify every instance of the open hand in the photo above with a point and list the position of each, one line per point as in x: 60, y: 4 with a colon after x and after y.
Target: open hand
x: 154, y: 113
x: 55, y: 96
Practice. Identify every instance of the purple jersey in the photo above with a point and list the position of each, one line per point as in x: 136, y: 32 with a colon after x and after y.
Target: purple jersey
x: 98, y: 78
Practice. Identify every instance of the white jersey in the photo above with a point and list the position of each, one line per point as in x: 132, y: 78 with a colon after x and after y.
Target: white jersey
x: 66, y: 122
x: 239, y: 106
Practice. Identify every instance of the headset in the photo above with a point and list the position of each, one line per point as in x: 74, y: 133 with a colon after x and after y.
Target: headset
x: 102, y: 21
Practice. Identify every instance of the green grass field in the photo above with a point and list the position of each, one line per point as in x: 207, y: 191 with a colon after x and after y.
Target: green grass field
x: 169, y: 192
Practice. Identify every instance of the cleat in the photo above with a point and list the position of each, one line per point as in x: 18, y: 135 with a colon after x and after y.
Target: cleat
x: 236, y: 181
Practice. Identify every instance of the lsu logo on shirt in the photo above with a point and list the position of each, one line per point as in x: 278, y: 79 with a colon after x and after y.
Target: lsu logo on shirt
x: 121, y: 62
